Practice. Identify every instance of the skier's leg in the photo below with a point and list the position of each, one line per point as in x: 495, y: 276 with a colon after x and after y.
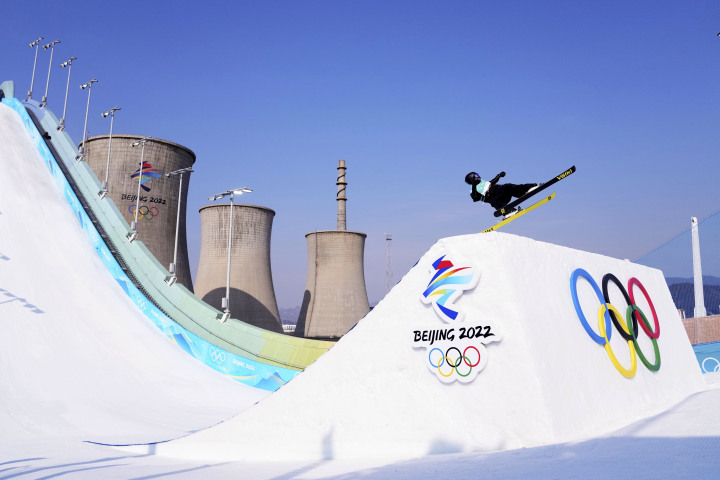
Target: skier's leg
x: 519, y: 190
x: 501, y: 195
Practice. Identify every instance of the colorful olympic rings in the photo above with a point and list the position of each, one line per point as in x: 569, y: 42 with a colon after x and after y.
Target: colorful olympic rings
x: 633, y: 309
x: 609, y: 277
x: 144, y: 212
x: 573, y: 290
x: 462, y: 358
x: 633, y: 282
x: 608, y: 314
x: 627, y: 373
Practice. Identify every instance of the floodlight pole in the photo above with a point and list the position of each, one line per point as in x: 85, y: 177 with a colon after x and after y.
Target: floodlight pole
x: 102, y: 193
x: 35, y: 44
x: 226, y: 300
x: 87, y: 85
x: 132, y: 236
x: 173, y: 266
x: 68, y: 64
x: 51, y: 46
x: 226, y: 314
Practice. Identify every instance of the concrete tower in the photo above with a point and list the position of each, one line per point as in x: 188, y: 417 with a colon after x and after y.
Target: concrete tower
x: 335, y: 297
x: 697, y: 271
x: 157, y: 218
x: 252, y: 296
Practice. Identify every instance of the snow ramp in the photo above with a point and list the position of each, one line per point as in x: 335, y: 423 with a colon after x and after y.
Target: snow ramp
x: 491, y: 342
x: 79, y: 362
x: 253, y: 356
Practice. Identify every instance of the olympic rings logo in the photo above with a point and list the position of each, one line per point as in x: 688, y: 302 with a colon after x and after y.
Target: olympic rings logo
x: 607, y: 314
x: 216, y: 355
x: 144, y: 211
x: 717, y: 365
x: 141, y: 303
x: 461, y: 363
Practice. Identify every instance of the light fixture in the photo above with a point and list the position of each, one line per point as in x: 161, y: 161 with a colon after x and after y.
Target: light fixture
x: 133, y: 235
x: 36, y: 44
x: 173, y: 276
x: 81, y: 150
x: 217, y: 196
x: 66, y: 63
x: 51, y: 46
x: 102, y: 193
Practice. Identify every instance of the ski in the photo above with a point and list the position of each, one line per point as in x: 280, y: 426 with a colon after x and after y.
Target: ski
x: 520, y: 213
x: 511, y: 206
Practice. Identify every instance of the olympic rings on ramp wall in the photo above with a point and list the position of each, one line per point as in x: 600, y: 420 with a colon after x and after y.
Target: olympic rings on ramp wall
x: 609, y: 315
x: 144, y: 212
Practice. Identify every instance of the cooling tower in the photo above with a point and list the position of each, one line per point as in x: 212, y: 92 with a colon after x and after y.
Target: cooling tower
x: 158, y: 214
x: 335, y: 297
x: 252, y: 296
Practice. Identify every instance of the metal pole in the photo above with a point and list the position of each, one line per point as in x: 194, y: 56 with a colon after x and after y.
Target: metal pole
x: 173, y: 266
x: 226, y: 299
x: 177, y: 226
x: 51, y: 45
x: 699, y: 310
x: 35, y: 44
x: 227, y: 287
x: 87, y: 85
x: 102, y: 193
x: 68, y: 64
x: 132, y: 236
x: 107, y: 164
x: 140, y: 172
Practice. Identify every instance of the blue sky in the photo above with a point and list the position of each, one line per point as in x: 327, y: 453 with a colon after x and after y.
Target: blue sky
x: 413, y: 95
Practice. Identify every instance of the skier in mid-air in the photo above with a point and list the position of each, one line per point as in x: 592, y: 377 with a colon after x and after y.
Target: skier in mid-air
x: 497, y: 195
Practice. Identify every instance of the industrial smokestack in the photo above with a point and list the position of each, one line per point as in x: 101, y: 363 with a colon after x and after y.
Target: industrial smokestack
x: 341, y: 197
x: 252, y: 296
x: 335, y: 296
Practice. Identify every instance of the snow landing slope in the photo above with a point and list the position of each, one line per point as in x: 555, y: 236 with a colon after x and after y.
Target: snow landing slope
x: 78, y: 360
x: 378, y: 393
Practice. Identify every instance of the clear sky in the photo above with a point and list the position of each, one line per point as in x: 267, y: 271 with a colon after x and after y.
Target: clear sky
x: 413, y: 95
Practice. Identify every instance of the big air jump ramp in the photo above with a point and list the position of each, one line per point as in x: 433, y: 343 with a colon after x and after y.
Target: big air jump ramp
x: 491, y: 342
x: 251, y: 355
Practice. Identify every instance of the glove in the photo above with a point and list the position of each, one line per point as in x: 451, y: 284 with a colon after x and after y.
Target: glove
x: 501, y: 174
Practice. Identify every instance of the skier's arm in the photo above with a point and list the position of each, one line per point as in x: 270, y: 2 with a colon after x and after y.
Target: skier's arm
x: 475, y: 195
x: 497, y: 178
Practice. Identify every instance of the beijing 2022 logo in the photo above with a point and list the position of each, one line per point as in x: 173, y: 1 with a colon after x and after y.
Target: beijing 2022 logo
x: 627, y: 329
x: 455, y: 351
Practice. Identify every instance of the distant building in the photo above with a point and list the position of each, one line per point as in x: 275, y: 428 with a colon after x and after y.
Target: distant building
x: 252, y: 295
x: 157, y: 217
x: 335, y: 297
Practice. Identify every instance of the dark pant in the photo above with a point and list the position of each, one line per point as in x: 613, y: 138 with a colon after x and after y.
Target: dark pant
x: 503, y: 194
